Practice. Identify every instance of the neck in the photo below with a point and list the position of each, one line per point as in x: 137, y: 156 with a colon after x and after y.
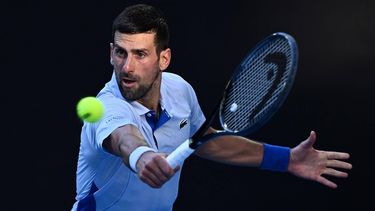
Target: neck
x: 151, y: 103
x: 152, y: 98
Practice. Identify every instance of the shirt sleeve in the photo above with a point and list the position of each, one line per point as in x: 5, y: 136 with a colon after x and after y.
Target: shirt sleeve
x: 117, y: 113
x: 197, y: 116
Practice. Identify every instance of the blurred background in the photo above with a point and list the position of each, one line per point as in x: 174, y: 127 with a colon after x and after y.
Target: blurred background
x: 54, y: 53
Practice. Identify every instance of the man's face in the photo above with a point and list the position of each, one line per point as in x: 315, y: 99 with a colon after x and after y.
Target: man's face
x: 136, y: 65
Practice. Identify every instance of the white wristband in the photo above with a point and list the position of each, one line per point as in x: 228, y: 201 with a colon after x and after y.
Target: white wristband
x: 136, y: 154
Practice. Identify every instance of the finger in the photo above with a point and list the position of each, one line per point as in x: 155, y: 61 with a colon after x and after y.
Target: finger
x: 149, y: 182
x: 335, y: 173
x: 339, y: 164
x: 153, y: 173
x: 313, y: 133
x: 326, y: 182
x: 157, y: 175
x: 338, y: 155
x: 310, y: 141
x: 175, y: 169
x: 164, y: 167
x: 149, y: 179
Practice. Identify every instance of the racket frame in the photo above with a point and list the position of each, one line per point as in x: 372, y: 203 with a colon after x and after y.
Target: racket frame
x: 188, y: 147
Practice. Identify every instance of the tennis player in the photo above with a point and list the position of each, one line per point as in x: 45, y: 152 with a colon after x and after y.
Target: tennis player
x: 148, y: 113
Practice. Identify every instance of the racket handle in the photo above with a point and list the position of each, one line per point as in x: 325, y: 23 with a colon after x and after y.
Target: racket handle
x: 178, y: 156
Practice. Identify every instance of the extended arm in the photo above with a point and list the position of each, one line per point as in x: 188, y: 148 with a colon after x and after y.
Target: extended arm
x: 304, y: 161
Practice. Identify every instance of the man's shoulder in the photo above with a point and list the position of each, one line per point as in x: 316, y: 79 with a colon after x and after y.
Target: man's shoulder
x: 174, y: 80
x: 172, y: 76
x: 176, y: 87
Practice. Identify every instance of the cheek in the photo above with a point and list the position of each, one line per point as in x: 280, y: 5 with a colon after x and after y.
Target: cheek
x: 148, y: 69
x: 117, y: 68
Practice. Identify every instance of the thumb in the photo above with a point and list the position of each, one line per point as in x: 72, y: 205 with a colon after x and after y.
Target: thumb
x: 165, y: 155
x: 310, y: 141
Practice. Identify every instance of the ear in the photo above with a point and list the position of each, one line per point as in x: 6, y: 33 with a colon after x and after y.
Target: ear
x: 110, y: 53
x: 165, y: 59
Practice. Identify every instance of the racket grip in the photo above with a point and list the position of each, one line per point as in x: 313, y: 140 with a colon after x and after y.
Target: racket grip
x: 178, y: 156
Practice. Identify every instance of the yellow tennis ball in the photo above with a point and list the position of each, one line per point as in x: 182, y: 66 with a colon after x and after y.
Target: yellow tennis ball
x: 90, y: 109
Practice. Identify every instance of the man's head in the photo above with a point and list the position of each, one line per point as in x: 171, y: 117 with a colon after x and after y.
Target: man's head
x: 139, y: 52
x: 143, y: 18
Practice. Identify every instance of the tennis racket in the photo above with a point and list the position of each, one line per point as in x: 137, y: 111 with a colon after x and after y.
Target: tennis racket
x: 256, y: 90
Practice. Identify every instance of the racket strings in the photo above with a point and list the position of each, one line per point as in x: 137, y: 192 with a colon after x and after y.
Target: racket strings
x: 245, y: 102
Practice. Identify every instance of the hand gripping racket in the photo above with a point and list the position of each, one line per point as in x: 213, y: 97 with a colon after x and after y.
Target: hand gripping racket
x: 257, y: 89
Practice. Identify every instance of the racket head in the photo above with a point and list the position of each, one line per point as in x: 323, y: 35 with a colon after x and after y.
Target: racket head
x: 260, y: 84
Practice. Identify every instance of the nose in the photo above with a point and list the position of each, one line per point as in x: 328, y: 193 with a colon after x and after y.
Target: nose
x: 128, y: 64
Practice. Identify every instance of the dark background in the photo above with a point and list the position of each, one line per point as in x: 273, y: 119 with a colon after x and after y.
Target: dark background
x: 54, y: 53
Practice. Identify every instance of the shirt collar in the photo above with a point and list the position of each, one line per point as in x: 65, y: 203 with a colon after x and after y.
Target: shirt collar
x: 139, y: 108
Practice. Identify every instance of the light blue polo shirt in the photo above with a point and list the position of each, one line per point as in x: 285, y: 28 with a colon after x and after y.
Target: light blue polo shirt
x: 103, y: 181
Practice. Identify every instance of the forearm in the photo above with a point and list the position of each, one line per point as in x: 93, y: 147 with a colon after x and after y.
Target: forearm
x: 233, y: 150
x: 237, y: 150
x: 123, y: 141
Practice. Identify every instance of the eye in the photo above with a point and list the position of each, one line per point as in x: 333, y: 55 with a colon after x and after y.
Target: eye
x: 119, y: 52
x: 141, y: 54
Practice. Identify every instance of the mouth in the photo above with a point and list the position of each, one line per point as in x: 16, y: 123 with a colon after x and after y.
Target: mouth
x: 129, y: 82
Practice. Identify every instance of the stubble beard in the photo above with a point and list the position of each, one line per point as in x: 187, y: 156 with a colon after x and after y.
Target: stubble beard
x: 140, y: 92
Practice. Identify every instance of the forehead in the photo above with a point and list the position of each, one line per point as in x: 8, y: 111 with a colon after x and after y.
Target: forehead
x: 135, y: 41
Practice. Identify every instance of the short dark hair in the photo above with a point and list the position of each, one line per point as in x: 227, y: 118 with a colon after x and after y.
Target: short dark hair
x: 142, y: 18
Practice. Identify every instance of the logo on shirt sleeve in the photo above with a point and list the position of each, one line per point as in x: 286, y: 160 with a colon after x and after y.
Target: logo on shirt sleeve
x: 183, y: 123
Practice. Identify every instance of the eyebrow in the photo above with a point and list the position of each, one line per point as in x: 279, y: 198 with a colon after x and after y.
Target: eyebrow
x: 132, y: 50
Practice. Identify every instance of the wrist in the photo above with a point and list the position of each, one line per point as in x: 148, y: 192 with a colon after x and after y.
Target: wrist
x: 275, y: 158
x: 136, y: 154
